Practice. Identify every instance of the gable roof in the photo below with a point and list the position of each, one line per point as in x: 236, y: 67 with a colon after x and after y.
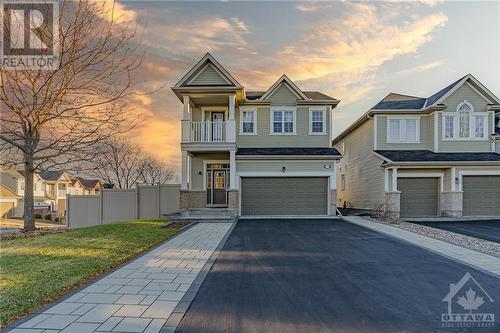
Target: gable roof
x: 90, y: 183
x: 51, y: 175
x: 312, y: 95
x: 207, y: 60
x: 394, y: 101
x: 284, y: 80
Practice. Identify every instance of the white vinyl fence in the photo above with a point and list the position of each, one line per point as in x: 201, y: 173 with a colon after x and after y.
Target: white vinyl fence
x: 113, y: 205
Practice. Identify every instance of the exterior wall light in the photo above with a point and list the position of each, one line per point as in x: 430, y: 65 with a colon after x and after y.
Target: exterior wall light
x: 283, y: 169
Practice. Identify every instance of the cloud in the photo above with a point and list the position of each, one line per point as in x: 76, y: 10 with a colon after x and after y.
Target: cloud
x: 202, y: 35
x: 313, y: 6
x: 114, y: 10
x: 422, y: 68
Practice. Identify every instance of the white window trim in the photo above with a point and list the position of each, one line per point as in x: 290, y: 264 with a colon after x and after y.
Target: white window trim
x: 242, y: 109
x: 401, y: 129
x: 282, y: 109
x: 311, y: 110
x: 456, y: 126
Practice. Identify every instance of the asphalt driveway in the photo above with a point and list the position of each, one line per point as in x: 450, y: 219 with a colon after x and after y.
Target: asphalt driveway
x: 326, y: 276
x: 485, y: 229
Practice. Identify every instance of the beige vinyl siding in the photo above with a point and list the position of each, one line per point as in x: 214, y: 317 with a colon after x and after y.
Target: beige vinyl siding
x: 364, y: 178
x: 290, y: 165
x: 302, y: 139
x: 283, y: 96
x: 465, y: 92
x: 426, y: 135
x: 197, y: 167
x: 209, y: 76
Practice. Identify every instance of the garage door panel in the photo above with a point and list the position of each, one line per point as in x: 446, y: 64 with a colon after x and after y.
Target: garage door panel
x: 419, y: 196
x: 481, y: 195
x: 284, y: 196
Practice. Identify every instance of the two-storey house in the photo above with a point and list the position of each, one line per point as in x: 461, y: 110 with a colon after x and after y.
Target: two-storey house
x: 414, y: 156
x: 56, y: 188
x: 255, y: 152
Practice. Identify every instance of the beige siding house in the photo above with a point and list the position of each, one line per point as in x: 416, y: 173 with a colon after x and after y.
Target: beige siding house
x: 416, y: 157
x: 254, y: 152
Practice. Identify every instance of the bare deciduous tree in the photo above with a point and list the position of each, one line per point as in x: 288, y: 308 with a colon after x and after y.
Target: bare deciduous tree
x: 57, y: 117
x: 120, y: 162
x: 155, y: 172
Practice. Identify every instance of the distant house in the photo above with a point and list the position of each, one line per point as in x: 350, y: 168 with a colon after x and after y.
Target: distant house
x: 9, y: 201
x: 91, y: 186
x: 109, y: 185
x: 56, y: 187
x: 76, y: 187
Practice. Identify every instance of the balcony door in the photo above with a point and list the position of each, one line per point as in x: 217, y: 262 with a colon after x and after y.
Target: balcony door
x: 217, y: 119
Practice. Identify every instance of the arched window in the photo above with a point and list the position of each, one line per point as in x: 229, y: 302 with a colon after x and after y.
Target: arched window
x: 465, y: 109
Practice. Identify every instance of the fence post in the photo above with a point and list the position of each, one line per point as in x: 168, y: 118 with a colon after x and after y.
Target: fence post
x: 137, y: 202
x: 67, y: 210
x: 101, y: 206
x: 158, y: 193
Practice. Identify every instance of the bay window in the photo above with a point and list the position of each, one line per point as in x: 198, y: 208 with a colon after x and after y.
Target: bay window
x: 403, y: 130
x: 283, y: 120
x: 465, y: 123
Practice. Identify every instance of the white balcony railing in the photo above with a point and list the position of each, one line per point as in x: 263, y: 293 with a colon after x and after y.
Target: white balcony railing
x: 208, y: 131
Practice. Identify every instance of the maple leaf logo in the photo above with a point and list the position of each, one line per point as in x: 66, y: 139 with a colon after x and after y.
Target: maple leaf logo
x: 470, y: 301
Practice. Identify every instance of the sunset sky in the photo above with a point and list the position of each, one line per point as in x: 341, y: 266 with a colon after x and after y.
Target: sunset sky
x: 354, y: 51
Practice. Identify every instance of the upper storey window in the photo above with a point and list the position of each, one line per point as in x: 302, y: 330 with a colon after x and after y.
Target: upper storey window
x: 403, y: 130
x: 283, y: 120
x: 317, y: 121
x: 248, y: 121
x: 465, y: 124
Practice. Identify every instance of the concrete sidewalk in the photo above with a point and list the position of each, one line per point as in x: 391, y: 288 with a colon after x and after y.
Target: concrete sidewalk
x: 478, y: 260
x: 148, y: 294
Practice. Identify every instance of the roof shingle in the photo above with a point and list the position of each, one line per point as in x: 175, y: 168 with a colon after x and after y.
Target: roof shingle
x: 287, y: 151
x: 430, y: 156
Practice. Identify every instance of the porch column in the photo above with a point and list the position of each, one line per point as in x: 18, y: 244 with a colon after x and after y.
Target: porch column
x: 232, y: 170
x: 386, y: 180
x: 452, y: 184
x: 231, y: 123
x: 394, y: 179
x: 186, y: 120
x: 184, y: 170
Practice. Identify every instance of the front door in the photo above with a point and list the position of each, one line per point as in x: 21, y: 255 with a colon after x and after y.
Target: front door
x: 217, y: 126
x: 217, y: 184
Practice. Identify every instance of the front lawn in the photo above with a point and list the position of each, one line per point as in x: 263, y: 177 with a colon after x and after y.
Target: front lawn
x: 35, y: 270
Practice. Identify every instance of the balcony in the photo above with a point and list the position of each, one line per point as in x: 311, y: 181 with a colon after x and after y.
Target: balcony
x: 199, y: 132
x: 208, y: 131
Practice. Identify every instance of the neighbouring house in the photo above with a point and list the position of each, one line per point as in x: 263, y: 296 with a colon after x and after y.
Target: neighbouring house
x: 414, y: 156
x: 14, y: 180
x: 90, y: 186
x: 255, y: 152
x: 109, y: 186
x: 9, y: 201
x: 56, y: 188
x: 76, y: 187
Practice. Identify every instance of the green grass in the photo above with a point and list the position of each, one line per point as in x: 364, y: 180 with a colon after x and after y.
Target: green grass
x: 35, y: 270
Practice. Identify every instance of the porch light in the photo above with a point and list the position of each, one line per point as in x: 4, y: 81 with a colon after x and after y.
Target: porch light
x: 283, y: 169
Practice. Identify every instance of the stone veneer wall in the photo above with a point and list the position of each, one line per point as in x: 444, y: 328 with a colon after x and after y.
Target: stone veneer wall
x: 452, y: 204
x: 333, y: 202
x: 233, y: 201
x: 393, y: 204
x: 192, y: 199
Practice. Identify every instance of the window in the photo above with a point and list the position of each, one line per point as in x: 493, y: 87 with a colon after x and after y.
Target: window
x: 248, y: 122
x: 317, y: 121
x: 283, y: 121
x: 342, y: 182
x: 403, y: 130
x: 21, y: 184
x: 465, y: 124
